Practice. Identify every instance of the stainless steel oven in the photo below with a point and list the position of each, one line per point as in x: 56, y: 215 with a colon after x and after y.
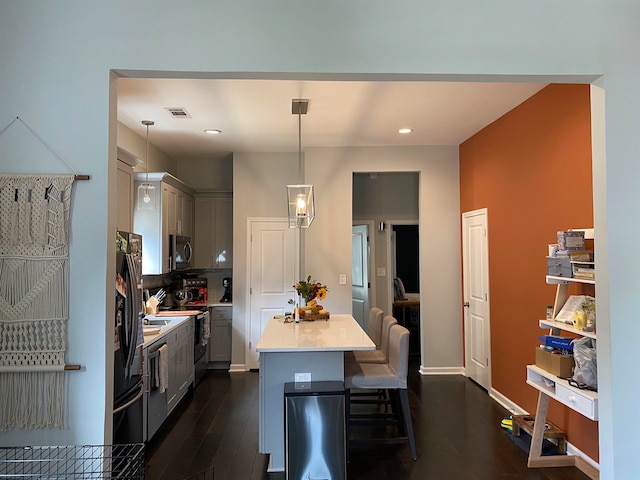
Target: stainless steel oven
x: 201, y: 337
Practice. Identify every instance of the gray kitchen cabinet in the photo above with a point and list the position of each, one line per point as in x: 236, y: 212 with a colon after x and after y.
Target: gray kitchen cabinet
x: 170, y: 207
x: 172, y: 215
x: 213, y: 230
x: 184, y: 214
x: 174, y: 355
x: 125, y: 197
x: 180, y: 343
x: 219, y: 352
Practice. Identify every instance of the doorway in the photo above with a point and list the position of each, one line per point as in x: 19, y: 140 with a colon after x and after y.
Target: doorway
x: 475, y: 271
x: 381, y: 200
x: 360, y: 280
x: 274, y: 254
x: 405, y: 267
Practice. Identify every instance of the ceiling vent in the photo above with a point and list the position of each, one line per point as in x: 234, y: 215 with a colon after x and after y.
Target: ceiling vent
x: 178, y: 112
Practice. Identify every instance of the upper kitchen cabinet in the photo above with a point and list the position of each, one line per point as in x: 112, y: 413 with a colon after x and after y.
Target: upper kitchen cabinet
x: 172, y: 215
x: 124, y: 221
x: 125, y: 199
x: 184, y: 220
x: 213, y: 239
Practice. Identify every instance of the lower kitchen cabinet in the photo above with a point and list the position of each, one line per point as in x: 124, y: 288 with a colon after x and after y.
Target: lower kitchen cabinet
x: 180, y: 343
x: 219, y: 353
x: 158, y: 405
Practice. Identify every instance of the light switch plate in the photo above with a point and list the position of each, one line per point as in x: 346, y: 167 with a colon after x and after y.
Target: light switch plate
x: 381, y: 272
x: 302, y: 377
x: 343, y: 279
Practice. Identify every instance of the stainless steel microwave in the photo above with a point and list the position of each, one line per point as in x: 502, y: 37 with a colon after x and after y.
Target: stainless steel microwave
x: 180, y: 251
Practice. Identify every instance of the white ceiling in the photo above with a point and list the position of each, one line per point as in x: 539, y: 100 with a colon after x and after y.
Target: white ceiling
x: 255, y: 115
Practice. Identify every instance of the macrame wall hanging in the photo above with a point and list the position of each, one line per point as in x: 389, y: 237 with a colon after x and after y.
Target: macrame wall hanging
x: 34, y: 296
x: 34, y: 299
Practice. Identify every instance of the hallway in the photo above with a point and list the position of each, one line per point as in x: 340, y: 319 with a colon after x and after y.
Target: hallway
x: 457, y: 431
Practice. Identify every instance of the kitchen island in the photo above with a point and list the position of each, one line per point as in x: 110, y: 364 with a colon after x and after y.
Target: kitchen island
x: 307, y: 347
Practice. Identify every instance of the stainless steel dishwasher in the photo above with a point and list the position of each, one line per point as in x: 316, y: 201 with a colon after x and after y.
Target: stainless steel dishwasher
x: 315, y: 434
x: 155, y: 396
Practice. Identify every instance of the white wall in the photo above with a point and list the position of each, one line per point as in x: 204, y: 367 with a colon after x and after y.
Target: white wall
x: 136, y: 145
x: 259, y: 190
x: 56, y: 57
x: 210, y: 174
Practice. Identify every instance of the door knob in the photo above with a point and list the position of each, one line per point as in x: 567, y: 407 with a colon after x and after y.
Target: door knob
x: 465, y: 304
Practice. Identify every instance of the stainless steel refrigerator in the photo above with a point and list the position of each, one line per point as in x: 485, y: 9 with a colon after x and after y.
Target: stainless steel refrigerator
x: 128, y: 388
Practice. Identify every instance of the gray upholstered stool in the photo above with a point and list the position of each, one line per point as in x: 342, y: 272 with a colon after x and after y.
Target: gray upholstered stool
x: 391, y: 376
x: 380, y: 355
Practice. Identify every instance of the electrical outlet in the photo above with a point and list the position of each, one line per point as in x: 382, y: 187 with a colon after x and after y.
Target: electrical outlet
x: 381, y: 272
x: 302, y: 377
x: 343, y: 279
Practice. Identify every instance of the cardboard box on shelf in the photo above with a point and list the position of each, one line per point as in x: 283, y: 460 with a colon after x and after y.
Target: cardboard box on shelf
x: 556, y: 363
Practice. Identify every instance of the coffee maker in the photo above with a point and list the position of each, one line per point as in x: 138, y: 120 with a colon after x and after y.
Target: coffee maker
x: 226, y: 283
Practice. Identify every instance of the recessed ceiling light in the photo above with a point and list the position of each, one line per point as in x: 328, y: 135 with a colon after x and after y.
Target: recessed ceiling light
x: 213, y: 131
x: 405, y: 130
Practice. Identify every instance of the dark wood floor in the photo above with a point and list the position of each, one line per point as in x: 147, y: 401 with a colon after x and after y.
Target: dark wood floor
x: 457, y: 431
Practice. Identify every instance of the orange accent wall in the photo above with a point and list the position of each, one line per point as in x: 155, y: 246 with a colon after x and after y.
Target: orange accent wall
x: 531, y: 169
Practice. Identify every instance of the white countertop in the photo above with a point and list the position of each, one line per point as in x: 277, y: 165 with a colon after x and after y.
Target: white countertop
x: 175, y: 322
x: 340, y: 333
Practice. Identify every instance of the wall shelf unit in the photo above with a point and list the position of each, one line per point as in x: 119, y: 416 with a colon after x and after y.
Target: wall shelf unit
x: 549, y: 386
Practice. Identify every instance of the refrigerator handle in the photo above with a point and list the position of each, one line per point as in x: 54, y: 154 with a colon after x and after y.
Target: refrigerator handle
x: 130, y: 402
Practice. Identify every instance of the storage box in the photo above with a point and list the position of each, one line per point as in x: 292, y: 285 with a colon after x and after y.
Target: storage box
x: 560, y: 365
x: 559, y: 266
x: 570, y: 240
x: 554, y: 341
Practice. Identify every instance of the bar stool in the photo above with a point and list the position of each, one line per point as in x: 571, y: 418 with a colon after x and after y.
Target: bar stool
x: 391, y: 376
x: 374, y: 329
x: 380, y: 355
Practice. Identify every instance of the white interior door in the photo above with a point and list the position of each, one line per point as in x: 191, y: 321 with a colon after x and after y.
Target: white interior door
x: 360, y: 274
x: 475, y: 264
x: 274, y: 260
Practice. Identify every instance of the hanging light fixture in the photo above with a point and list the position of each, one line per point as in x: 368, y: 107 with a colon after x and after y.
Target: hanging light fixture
x: 301, y: 209
x: 146, y: 191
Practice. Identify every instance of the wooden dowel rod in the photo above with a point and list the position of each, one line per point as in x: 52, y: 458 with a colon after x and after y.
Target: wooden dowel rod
x: 82, y: 177
x: 72, y: 367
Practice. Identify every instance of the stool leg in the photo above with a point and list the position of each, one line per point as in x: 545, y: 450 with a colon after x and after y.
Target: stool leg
x: 406, y: 413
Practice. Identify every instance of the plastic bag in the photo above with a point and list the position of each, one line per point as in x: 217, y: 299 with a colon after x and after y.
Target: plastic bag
x: 585, y: 373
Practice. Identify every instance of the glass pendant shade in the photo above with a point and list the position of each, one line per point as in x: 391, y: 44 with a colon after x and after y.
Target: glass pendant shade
x: 147, y: 198
x: 301, y: 208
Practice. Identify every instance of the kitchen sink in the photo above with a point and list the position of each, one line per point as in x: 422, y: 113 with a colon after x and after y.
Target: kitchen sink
x: 157, y: 322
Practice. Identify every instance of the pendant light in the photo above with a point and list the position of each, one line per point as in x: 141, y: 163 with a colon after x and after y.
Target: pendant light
x: 301, y: 210
x: 146, y: 191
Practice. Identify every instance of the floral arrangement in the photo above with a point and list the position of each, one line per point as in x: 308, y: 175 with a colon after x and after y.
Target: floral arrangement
x: 310, y: 289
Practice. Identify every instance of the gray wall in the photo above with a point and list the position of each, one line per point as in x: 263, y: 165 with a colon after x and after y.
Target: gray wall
x: 59, y: 61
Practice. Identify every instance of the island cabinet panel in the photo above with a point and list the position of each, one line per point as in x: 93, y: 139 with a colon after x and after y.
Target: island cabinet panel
x: 285, y: 349
x: 276, y: 369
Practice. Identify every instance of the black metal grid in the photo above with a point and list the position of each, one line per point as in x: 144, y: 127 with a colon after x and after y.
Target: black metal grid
x: 124, y: 462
